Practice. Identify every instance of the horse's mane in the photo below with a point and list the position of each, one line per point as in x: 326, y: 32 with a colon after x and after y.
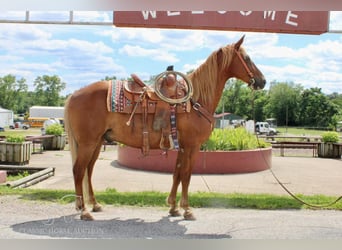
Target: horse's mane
x: 205, y: 77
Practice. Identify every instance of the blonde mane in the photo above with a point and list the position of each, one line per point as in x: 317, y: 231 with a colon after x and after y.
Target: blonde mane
x: 205, y: 77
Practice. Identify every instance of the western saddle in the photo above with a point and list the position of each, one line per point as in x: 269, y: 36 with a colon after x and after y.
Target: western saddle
x: 167, y: 97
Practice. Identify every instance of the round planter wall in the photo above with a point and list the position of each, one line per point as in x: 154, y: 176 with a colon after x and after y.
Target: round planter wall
x: 215, y: 162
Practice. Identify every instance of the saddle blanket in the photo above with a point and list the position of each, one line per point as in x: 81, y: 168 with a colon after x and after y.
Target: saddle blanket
x: 116, y: 101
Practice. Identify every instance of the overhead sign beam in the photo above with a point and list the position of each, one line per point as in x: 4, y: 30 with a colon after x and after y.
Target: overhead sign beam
x: 67, y: 21
x: 301, y: 22
x: 188, y: 5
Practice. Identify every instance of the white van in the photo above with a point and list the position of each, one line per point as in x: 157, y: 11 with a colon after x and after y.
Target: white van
x: 264, y: 128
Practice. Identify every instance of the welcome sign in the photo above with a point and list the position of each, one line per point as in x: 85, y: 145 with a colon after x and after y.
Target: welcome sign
x: 301, y: 22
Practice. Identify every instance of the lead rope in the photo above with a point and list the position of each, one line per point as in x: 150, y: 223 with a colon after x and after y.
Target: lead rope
x: 280, y: 183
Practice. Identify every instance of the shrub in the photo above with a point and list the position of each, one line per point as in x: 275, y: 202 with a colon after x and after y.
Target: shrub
x: 233, y: 139
x: 330, y: 136
x: 54, y: 129
x: 15, y: 138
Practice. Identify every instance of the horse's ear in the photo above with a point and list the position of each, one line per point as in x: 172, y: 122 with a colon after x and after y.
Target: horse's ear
x: 238, y: 43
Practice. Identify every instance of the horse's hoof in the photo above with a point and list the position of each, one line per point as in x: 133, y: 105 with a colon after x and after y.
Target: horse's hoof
x: 86, y: 216
x: 97, y: 208
x: 174, y: 212
x: 188, y: 215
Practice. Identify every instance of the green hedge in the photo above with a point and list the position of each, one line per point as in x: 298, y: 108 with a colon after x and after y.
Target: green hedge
x: 232, y: 140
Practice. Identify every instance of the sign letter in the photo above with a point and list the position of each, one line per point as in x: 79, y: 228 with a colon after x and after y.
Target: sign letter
x: 197, y: 12
x: 173, y: 13
x: 289, y: 15
x: 269, y: 14
x: 145, y: 14
x: 246, y: 13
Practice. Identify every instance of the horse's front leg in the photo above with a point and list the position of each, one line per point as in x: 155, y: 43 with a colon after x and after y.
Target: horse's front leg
x: 171, y: 200
x: 184, y: 202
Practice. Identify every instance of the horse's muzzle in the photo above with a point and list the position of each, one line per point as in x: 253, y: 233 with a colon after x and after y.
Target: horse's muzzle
x: 257, y: 84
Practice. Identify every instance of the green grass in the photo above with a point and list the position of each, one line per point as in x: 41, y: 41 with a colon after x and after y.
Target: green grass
x: 300, y: 131
x: 14, y: 177
x: 158, y: 199
x: 21, y: 132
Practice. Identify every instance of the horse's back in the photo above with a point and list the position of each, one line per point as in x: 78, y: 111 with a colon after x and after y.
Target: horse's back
x: 94, y: 89
x: 87, y: 107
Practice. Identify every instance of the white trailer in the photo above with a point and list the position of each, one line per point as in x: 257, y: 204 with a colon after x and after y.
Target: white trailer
x: 6, y: 117
x: 47, y: 112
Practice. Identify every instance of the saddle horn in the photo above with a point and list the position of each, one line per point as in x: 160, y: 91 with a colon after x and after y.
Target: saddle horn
x: 173, y: 100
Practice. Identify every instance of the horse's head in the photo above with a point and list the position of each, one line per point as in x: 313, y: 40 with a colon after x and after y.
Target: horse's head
x: 244, y: 68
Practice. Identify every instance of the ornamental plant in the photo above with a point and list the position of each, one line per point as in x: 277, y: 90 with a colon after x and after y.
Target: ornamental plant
x: 330, y: 136
x: 15, y: 138
x: 233, y: 140
x: 54, y: 129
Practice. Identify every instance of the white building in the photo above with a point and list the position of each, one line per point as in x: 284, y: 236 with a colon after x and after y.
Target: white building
x: 6, y: 117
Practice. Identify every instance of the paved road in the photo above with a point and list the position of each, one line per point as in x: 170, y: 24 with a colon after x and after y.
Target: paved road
x: 38, y: 220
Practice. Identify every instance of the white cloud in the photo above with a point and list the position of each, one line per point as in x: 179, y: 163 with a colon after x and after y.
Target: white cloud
x: 153, y: 36
x: 188, y: 67
x: 22, y: 33
x: 154, y: 54
x: 175, y: 39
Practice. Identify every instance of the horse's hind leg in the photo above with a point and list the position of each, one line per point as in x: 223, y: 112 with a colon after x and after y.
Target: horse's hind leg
x: 80, y: 171
x: 92, y: 200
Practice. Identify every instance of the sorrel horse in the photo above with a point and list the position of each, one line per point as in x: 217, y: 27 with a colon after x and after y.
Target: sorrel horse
x: 89, y: 123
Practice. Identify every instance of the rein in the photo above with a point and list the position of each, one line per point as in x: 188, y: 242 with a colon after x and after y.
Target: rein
x: 249, y: 72
x: 202, y: 111
x: 284, y: 187
x: 296, y: 197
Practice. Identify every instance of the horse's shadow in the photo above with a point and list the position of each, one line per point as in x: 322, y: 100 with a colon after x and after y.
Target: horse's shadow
x: 72, y: 227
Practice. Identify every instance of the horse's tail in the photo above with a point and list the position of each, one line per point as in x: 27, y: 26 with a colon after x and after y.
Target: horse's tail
x: 73, y: 149
x: 71, y: 139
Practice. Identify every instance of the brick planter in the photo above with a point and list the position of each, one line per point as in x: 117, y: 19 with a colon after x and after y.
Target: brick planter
x: 15, y: 153
x: 216, y: 162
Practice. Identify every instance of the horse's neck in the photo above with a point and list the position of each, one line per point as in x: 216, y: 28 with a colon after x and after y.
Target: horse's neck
x: 211, y: 103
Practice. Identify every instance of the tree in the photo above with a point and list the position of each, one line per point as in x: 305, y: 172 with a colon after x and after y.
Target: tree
x: 283, y: 103
x: 337, y: 100
x: 13, y: 93
x: 238, y: 99
x: 108, y: 78
x: 316, y: 108
x: 260, y: 101
x: 47, y: 90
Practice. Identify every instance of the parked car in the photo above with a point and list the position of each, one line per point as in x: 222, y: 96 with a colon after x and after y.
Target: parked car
x: 2, y: 129
x: 19, y: 125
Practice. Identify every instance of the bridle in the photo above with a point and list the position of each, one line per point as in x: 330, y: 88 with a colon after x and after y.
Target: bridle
x: 249, y: 72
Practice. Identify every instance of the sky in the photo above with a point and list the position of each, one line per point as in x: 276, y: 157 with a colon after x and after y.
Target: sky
x: 81, y: 54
